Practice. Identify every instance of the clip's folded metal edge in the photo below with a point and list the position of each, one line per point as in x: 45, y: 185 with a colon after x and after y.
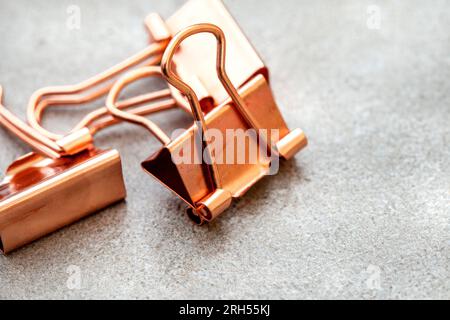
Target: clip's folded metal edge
x: 42, y: 195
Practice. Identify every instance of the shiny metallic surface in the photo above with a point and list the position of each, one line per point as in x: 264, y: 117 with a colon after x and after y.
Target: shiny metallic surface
x: 70, y: 178
x: 190, y: 181
x: 41, y: 195
x: 205, y: 181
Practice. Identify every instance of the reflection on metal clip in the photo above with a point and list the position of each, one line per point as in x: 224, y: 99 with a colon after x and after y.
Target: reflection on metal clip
x: 208, y: 188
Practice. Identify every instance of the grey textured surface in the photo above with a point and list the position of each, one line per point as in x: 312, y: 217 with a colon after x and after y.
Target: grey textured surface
x: 363, y: 212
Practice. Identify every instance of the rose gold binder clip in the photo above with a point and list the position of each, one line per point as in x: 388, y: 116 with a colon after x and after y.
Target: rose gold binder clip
x: 204, y: 182
x: 66, y: 178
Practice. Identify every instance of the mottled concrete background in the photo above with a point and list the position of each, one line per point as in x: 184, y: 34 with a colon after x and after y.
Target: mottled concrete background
x: 362, y: 213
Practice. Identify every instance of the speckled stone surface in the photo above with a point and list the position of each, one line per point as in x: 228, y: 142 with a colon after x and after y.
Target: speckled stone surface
x: 363, y: 212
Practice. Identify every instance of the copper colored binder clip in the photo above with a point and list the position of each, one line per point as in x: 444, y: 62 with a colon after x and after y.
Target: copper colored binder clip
x: 206, y: 184
x: 65, y: 179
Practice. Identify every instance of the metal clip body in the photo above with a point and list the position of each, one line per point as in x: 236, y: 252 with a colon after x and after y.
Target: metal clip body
x: 252, y: 108
x: 40, y: 195
x: 63, y: 181
x: 191, y: 181
x: 66, y: 178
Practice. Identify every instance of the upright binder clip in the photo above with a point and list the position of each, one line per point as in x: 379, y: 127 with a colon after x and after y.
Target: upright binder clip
x: 206, y: 184
x: 65, y: 179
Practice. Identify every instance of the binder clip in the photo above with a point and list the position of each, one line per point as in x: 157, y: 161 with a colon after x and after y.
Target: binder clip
x: 66, y: 178
x: 206, y: 185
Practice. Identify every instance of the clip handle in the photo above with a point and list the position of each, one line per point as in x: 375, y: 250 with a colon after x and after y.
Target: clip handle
x: 102, y: 118
x: 70, y: 95
x: 183, y: 87
x: 220, y: 199
x: 177, y: 82
x: 139, y: 120
x: 84, y: 92
x: 37, y: 141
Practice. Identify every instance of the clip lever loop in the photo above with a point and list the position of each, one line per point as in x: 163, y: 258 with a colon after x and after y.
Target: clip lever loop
x: 175, y: 80
x: 183, y: 87
x: 32, y: 137
x: 139, y: 120
x: 70, y: 95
